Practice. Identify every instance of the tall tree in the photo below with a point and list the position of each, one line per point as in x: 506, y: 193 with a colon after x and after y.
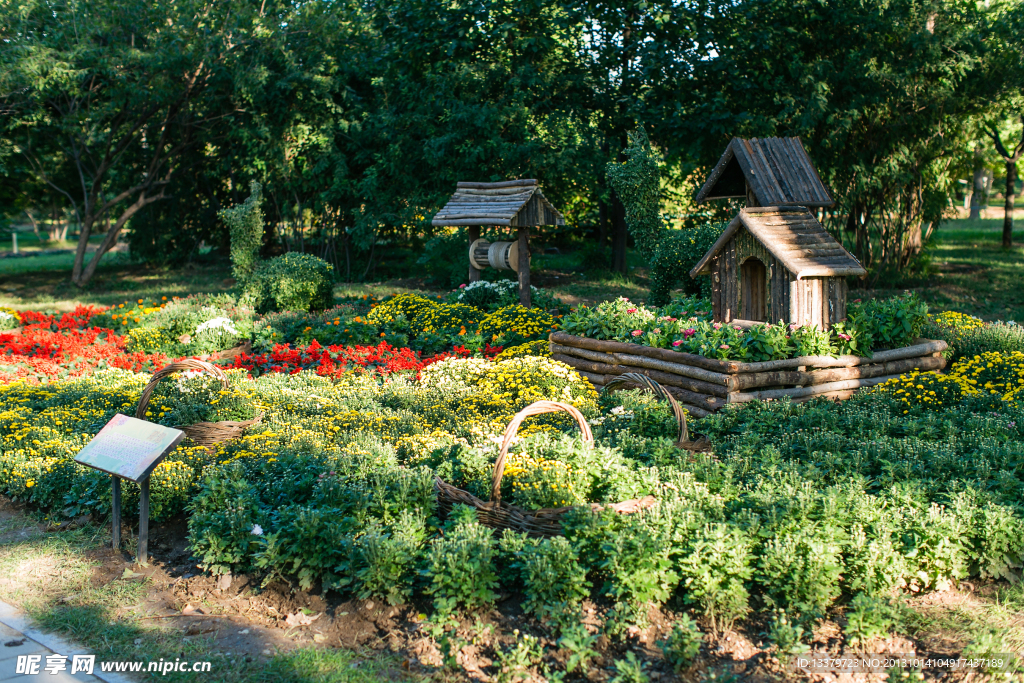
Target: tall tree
x: 1011, y: 153
x: 879, y: 92
x: 114, y: 94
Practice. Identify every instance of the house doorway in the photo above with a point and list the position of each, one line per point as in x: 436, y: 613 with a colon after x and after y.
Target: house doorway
x: 754, y: 290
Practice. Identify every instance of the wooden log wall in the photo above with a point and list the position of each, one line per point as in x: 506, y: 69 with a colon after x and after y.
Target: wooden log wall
x: 704, y: 385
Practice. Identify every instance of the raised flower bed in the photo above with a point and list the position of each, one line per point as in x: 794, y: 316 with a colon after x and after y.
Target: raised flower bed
x: 704, y: 385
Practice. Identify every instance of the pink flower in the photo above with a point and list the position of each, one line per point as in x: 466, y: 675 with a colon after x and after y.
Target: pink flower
x: 657, y: 330
x: 717, y: 326
x: 737, y: 328
x: 689, y: 332
x: 724, y: 346
x: 856, y: 301
x: 844, y: 336
x: 677, y: 342
x: 637, y: 333
x: 462, y: 286
x: 630, y: 310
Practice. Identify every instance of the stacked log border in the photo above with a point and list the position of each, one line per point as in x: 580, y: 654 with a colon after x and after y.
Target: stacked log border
x: 705, y: 385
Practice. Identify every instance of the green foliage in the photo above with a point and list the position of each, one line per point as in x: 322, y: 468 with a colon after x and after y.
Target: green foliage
x: 890, y: 323
x: 715, y: 571
x: 445, y: 258
x: 800, y: 571
x: 514, y: 662
x: 492, y: 295
x: 676, y: 255
x: 1000, y: 337
x: 554, y: 581
x: 225, y: 522
x: 630, y: 670
x: 637, y: 183
x: 787, y: 637
x: 460, y: 565
x: 682, y: 646
x: 639, y: 572
x: 245, y: 226
x: 870, y: 617
x: 579, y: 643
x: 292, y: 282
x: 386, y: 558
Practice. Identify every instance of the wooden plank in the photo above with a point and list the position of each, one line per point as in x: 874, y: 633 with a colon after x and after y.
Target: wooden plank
x: 741, y: 397
x: 609, y: 346
x: 474, y: 235
x: 716, y: 288
x: 925, y: 347
x: 497, y: 185
x: 780, y: 170
x: 779, y: 195
x: 674, y: 368
x: 807, y: 189
x: 708, y: 401
x: 471, y: 221
x: 524, y: 267
x: 797, y: 378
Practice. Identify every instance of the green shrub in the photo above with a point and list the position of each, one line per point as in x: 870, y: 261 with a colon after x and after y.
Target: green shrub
x: 292, y: 282
x: 714, y: 573
x: 460, y: 564
x: 630, y: 670
x: 226, y: 524
x: 638, y: 572
x: 386, y: 558
x: 800, y: 570
x: 310, y: 543
x: 445, y: 258
x: 682, y: 646
x: 787, y: 637
x: 1003, y: 338
x: 675, y: 256
x: 870, y: 617
x: 554, y: 581
x: 245, y: 225
x: 889, y: 323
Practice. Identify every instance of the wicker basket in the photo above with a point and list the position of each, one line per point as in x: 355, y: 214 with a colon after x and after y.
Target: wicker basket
x: 500, y: 515
x: 645, y: 382
x: 207, y: 434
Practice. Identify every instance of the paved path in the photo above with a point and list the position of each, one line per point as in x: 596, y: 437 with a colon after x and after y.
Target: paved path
x: 19, y: 637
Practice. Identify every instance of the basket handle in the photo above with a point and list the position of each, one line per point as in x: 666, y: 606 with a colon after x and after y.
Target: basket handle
x: 538, y: 408
x: 650, y: 385
x: 178, y: 366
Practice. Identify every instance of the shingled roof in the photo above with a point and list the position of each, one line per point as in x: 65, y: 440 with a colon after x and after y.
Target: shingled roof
x: 778, y: 170
x: 512, y: 202
x: 793, y: 236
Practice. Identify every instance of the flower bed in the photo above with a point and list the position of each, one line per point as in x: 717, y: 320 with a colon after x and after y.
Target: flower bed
x: 708, y: 364
x: 334, y: 489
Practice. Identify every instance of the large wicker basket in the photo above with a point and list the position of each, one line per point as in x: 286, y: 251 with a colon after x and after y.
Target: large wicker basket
x: 500, y: 515
x: 630, y: 379
x: 207, y: 434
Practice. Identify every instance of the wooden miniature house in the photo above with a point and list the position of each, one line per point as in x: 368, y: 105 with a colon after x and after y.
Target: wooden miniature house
x: 512, y: 203
x: 774, y: 262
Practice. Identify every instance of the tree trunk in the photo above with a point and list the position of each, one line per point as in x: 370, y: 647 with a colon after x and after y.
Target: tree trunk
x: 979, y: 182
x: 619, y: 235
x: 602, y: 224
x: 1011, y: 189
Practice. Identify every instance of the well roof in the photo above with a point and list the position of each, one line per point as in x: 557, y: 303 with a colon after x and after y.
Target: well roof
x: 793, y: 236
x: 777, y: 169
x: 512, y: 202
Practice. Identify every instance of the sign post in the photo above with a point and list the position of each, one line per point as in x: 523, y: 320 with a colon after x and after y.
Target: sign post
x: 129, y: 448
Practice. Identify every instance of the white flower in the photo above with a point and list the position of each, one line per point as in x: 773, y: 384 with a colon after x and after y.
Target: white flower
x: 618, y: 410
x: 217, y: 323
x: 257, y: 530
x: 4, y: 315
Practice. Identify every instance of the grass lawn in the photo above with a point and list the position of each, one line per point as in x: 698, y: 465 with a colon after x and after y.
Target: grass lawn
x: 970, y: 272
